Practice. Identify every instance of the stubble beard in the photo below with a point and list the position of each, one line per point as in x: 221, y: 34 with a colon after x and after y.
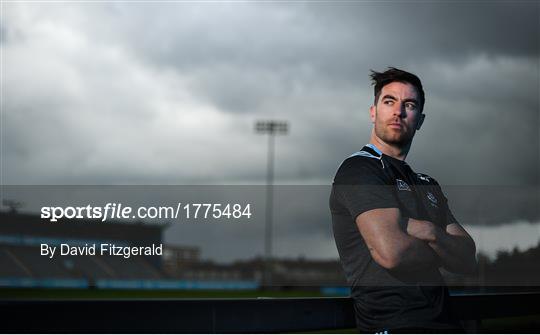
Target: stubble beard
x: 396, y: 138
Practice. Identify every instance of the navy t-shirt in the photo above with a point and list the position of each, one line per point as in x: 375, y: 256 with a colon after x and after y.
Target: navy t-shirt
x: 384, y: 299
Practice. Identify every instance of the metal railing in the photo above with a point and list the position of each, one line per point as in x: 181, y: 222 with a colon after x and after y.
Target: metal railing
x: 224, y: 315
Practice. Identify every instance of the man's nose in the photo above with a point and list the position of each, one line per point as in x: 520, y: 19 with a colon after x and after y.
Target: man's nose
x: 399, y: 110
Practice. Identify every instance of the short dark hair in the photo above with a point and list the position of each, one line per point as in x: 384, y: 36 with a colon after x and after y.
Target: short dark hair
x: 381, y: 79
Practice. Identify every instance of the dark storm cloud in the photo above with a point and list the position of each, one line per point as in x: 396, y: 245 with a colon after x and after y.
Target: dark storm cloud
x: 306, y: 63
x: 277, y: 36
x: 330, y: 43
x: 440, y: 29
x: 478, y: 61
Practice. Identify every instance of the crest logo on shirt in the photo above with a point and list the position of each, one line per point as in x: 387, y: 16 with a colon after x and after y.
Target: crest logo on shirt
x: 432, y: 199
x: 402, y: 186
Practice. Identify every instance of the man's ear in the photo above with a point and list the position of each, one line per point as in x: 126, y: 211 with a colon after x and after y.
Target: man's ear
x: 420, y: 121
x: 372, y: 113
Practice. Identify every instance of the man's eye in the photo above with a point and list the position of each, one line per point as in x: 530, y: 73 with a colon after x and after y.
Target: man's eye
x: 389, y: 102
x: 410, y: 106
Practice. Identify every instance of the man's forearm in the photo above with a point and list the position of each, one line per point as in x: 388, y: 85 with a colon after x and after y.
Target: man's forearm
x: 457, y: 253
x: 389, y: 245
x: 418, y: 255
x: 414, y: 255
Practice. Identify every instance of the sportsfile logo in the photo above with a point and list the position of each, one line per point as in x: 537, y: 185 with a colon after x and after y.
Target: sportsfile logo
x: 119, y: 211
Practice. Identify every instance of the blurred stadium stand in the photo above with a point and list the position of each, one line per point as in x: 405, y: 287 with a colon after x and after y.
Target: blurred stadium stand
x: 180, y: 267
x: 22, y: 264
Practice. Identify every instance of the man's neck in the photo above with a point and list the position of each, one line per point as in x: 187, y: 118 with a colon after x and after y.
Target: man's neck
x: 390, y: 150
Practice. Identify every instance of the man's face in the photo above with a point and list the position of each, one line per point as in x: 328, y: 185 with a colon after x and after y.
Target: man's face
x: 396, y: 115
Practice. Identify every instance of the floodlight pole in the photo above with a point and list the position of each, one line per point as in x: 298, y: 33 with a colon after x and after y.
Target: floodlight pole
x: 271, y: 128
x: 269, y: 206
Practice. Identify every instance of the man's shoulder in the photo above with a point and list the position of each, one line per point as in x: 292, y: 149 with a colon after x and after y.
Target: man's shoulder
x: 365, y: 162
x: 368, y: 155
x: 360, y: 159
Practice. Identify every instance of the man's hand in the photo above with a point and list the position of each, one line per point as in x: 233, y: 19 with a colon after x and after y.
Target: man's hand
x: 454, y: 246
x: 423, y: 230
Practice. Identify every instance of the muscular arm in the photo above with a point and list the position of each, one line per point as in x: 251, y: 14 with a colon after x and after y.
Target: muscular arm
x: 389, y: 245
x: 454, y: 246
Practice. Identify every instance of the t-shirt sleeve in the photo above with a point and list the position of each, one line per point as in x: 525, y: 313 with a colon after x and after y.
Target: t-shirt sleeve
x: 361, y: 185
x: 448, y: 216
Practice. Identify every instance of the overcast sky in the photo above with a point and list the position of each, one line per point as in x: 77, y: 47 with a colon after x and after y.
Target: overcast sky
x: 168, y: 93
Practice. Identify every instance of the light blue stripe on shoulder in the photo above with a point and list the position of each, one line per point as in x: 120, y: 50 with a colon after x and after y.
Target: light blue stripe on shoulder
x: 369, y: 145
x: 364, y: 154
x: 367, y: 154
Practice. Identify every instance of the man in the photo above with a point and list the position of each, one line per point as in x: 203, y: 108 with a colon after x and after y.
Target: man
x: 392, y: 226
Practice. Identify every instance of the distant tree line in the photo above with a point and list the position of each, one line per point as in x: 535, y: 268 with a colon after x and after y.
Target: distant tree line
x: 510, y: 269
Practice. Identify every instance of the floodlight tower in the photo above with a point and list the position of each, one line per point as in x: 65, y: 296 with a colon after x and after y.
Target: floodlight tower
x: 272, y: 128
